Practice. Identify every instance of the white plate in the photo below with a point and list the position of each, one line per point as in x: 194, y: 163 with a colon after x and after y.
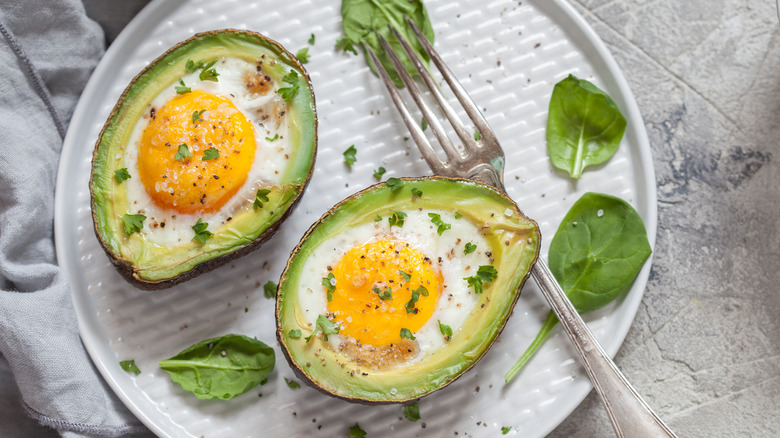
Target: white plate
x: 508, y: 54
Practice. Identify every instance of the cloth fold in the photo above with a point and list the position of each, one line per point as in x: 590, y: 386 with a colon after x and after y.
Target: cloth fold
x: 48, y: 50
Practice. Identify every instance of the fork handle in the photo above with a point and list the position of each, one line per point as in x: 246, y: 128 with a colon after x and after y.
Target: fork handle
x: 628, y: 412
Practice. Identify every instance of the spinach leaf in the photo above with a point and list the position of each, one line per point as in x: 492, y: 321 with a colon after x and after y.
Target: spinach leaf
x: 584, y: 126
x: 595, y: 255
x: 221, y: 367
x: 363, y: 19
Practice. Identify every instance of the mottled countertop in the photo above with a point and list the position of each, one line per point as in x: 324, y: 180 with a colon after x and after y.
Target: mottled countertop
x: 704, y: 349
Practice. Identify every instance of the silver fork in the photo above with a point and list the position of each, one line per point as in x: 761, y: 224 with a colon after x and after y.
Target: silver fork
x: 483, y: 160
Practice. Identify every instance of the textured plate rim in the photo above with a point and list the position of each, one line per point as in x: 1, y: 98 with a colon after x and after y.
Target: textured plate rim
x: 92, y: 333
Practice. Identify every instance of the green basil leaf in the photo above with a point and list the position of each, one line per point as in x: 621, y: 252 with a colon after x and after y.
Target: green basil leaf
x: 584, y: 126
x: 222, y: 368
x: 363, y: 19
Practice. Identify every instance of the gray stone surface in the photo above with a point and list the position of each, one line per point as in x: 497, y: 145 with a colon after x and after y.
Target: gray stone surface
x: 704, y: 348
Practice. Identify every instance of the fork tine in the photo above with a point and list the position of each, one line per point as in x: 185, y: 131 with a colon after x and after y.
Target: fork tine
x: 457, y: 124
x: 429, y: 154
x: 414, y: 91
x: 463, y: 97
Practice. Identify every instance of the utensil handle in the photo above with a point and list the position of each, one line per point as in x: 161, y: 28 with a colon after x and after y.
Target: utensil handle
x: 631, y: 417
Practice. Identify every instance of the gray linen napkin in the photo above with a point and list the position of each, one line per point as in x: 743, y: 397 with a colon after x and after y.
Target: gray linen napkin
x: 48, y: 49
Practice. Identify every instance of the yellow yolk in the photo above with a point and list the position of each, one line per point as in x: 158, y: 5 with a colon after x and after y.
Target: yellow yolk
x: 365, y: 272
x: 194, y: 185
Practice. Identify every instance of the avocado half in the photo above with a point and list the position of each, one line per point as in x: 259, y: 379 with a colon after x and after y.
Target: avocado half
x: 513, y: 237
x: 149, y: 265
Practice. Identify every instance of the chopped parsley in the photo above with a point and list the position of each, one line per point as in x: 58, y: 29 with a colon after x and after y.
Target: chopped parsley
x: 133, y: 222
x: 210, y: 154
x: 327, y: 326
x: 345, y: 45
x: 122, y: 174
x: 330, y: 284
x: 406, y: 333
x: 424, y: 124
x: 485, y: 274
x: 196, y: 115
x: 412, y: 411
x: 208, y: 73
x: 275, y: 137
x: 269, y: 289
x: 349, y: 155
x: 417, y: 192
x: 477, y: 136
x: 130, y: 366
x: 383, y: 295
x: 395, y: 184
x: 505, y: 430
x: 356, y: 432
x: 415, y: 297
x: 379, y: 172
x: 260, y: 197
x: 311, y: 40
x: 469, y: 248
x: 441, y: 226
x: 182, y: 88
x: 201, y: 234
x: 445, y: 330
x: 288, y: 93
x: 407, y: 277
x: 397, y: 218
x: 377, y: 218
x: 295, y: 334
x: 183, y: 153
x: 292, y: 383
x: 458, y: 215
x: 303, y: 55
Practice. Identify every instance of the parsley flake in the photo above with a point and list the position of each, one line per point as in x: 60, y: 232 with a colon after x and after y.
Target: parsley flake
x: 477, y: 136
x: 356, y: 432
x: 182, y: 89
x: 122, y: 174
x: 383, y: 295
x: 201, y: 234
x: 292, y: 383
x: 269, y: 289
x: 327, y: 327
x: 275, y: 137
x: 210, y: 154
x: 288, y: 93
x: 377, y: 218
x: 397, y: 218
x: 424, y: 124
x: 505, y: 430
x: 344, y: 44
x: 303, y: 55
x: 130, y: 366
x: 330, y: 284
x: 417, y: 192
x: 415, y: 297
x: 412, y: 411
x: 407, y: 277
x: 133, y: 222
x: 183, y: 153
x: 193, y: 66
x: 445, y: 330
x: 441, y: 226
x: 395, y: 184
x: 469, y: 248
x: 196, y: 115
x: 311, y: 40
x: 458, y: 215
x: 485, y: 274
x: 260, y: 197
x: 379, y: 172
x: 406, y: 333
x: 295, y: 334
x: 208, y: 73
x: 349, y: 155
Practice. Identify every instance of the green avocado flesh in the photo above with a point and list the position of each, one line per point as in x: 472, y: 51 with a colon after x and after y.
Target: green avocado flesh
x: 149, y: 263
x: 512, y: 242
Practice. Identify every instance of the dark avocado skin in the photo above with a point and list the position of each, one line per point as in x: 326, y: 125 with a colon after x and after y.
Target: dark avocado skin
x: 124, y: 267
x: 313, y: 383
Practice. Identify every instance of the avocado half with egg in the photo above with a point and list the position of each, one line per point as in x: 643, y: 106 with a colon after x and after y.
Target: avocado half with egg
x: 401, y: 288
x: 205, y: 154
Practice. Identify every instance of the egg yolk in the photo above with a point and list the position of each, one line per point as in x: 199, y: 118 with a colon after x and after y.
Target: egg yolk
x: 375, y: 284
x: 214, y: 161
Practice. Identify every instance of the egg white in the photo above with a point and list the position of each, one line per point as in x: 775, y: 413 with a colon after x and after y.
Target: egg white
x: 270, y: 159
x: 456, y: 301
